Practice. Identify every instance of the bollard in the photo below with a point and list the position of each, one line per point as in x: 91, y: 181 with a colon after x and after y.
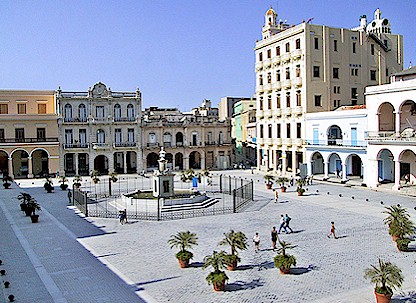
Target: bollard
x: 6, y: 284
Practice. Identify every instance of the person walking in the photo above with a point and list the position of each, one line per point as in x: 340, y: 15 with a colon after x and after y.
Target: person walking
x: 256, y: 240
x: 337, y: 170
x: 274, y: 237
x: 282, y: 224
x: 287, y: 221
x: 69, y: 196
x: 276, y: 196
x: 121, y: 216
x: 125, y: 216
x: 332, y: 230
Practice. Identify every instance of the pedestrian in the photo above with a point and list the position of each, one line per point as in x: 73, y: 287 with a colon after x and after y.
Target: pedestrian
x: 287, y: 221
x: 406, y: 178
x: 69, y: 196
x: 337, y: 170
x: 125, y: 216
x: 256, y: 240
x: 276, y: 196
x: 332, y: 230
x: 292, y: 181
x: 282, y: 224
x: 121, y: 216
x: 274, y: 237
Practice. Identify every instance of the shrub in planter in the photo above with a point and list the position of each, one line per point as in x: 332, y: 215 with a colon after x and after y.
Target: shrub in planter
x: 183, y: 240
x: 284, y: 261
x: 94, y: 176
x: 282, y: 181
x: 386, y: 276
x: 403, y: 244
x: 218, y: 261
x: 269, y: 181
x: 113, y: 177
x: 48, y: 185
x: 236, y: 241
x: 7, y: 181
x: 33, y: 206
x: 301, y: 183
x: 62, y: 180
x: 24, y: 198
x: 77, y: 181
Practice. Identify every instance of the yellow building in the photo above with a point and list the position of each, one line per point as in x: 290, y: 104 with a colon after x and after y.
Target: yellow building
x: 29, y: 144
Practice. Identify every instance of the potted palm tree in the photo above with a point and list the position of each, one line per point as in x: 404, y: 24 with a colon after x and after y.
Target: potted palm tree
x: 217, y: 278
x: 300, y: 183
x: 33, y: 206
x: 24, y: 198
x: 284, y: 261
x: 401, y: 228
x: 7, y: 181
x: 77, y: 181
x: 183, y: 240
x: 48, y: 185
x: 113, y: 176
x: 236, y: 241
x: 94, y: 176
x: 62, y: 180
x: 386, y: 276
x: 269, y: 181
x: 282, y: 181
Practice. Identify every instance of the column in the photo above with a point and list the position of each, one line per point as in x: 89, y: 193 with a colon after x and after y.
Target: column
x: 258, y: 151
x: 294, y: 160
x: 326, y: 171
x: 76, y: 164
x: 110, y: 157
x: 344, y: 172
x: 397, y: 126
x: 284, y: 162
x: 309, y: 165
x: 185, y: 162
x: 396, y: 175
x: 125, y: 162
x: 11, y: 167
x: 203, y: 160
x: 29, y: 166
x: 91, y: 158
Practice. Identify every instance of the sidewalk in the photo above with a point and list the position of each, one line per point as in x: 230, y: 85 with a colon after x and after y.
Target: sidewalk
x: 44, y: 262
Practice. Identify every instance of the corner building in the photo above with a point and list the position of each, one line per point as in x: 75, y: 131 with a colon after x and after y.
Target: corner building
x: 99, y: 130
x: 309, y: 68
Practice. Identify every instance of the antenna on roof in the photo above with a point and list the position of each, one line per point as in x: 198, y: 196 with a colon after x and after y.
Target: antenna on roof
x: 309, y: 20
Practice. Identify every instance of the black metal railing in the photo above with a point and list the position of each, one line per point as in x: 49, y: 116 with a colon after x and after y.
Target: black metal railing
x: 28, y: 140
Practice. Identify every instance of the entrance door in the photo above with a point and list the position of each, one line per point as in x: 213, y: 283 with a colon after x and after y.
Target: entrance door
x: 315, y: 136
x: 353, y: 136
x: 380, y: 170
x: 404, y: 169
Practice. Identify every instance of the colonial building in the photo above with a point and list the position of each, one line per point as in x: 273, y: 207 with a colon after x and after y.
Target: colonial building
x: 196, y: 140
x: 308, y: 68
x: 28, y: 133
x: 244, y: 114
x: 99, y: 130
x: 391, y: 131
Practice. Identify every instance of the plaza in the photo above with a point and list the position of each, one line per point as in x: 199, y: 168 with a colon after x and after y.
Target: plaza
x: 69, y: 258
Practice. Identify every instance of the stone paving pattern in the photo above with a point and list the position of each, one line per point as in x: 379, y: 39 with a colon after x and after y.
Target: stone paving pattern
x: 328, y: 270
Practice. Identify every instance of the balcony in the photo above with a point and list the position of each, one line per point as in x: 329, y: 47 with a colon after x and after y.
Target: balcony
x: 267, y: 63
x: 276, y: 60
x: 297, y: 141
x: 286, y: 83
x: 285, y: 57
x: 277, y: 85
x: 268, y: 141
x: 100, y: 145
x: 277, y: 141
x: 75, y: 145
x: 259, y: 66
x: 287, y: 111
x: 277, y: 112
x: 28, y: 140
x: 297, y: 110
x: 99, y: 120
x: 268, y: 113
x: 391, y: 137
x: 124, y: 119
x: 337, y: 143
x: 297, y: 53
x: 297, y: 82
x: 287, y: 141
x: 152, y: 145
x: 267, y: 87
x: 259, y: 89
x: 124, y: 144
x: 210, y: 143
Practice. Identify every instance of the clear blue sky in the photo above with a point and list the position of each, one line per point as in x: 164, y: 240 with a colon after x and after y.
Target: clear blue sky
x: 178, y: 52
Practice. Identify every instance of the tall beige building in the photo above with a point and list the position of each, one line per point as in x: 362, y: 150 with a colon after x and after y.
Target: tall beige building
x: 313, y: 68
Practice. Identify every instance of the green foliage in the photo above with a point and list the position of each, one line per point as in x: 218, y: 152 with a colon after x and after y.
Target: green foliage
x: 284, y: 261
x: 33, y: 204
x: 399, y: 222
x: 403, y: 244
x: 283, y: 247
x: 269, y: 179
x: 231, y: 259
x: 113, y: 176
x: 216, y: 278
x: 386, y: 276
x: 183, y: 240
x: 395, y: 213
x: 282, y: 181
x: 7, y: 179
x: 300, y: 190
x: 24, y: 197
x: 94, y: 176
x: 77, y: 180
x: 184, y: 255
x: 48, y: 185
x: 187, y: 175
x: 218, y: 261
x: 62, y: 179
x: 235, y: 240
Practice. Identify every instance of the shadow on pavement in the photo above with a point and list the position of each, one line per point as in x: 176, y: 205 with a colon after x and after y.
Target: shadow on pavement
x: 409, y: 297
x: 241, y: 285
x: 341, y: 237
x: 302, y: 270
x: 155, y: 281
x: 196, y: 264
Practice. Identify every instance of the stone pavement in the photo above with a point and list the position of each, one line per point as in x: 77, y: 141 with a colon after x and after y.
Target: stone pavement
x: 328, y: 270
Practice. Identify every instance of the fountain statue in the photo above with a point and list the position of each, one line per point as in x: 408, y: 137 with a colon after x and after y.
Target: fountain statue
x: 163, y: 185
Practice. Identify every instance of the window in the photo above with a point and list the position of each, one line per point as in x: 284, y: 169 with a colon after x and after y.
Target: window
x: 373, y: 75
x: 387, y: 72
x: 117, y: 112
x: 316, y: 71
x: 100, y: 136
x: 354, y: 71
x: 21, y: 108
x: 261, y: 103
x: 152, y: 138
x: 372, y: 49
x: 316, y: 43
x: 19, y: 134
x: 279, y: 131
x: 277, y: 50
x: 318, y: 100
x: 337, y: 103
x: 261, y: 80
x: 278, y: 75
x: 130, y: 112
x: 41, y: 133
x: 297, y: 43
x: 99, y: 111
x: 287, y: 47
x: 4, y: 109
x: 269, y: 77
x: 82, y: 135
x: 269, y: 102
x: 287, y: 73
x: 298, y: 98
x: 68, y: 136
x: 288, y: 130
x: 354, y: 94
x: 130, y: 135
x: 261, y: 130
x: 41, y: 108
x: 82, y: 113
x: 260, y: 56
x: 335, y: 73
x: 269, y: 53
x: 298, y: 130
x: 270, y: 131
x: 67, y: 112
x: 335, y: 45
x: 278, y: 101
x: 297, y: 71
x: 117, y: 135
x: 354, y: 47
x: 1, y: 134
x: 287, y: 99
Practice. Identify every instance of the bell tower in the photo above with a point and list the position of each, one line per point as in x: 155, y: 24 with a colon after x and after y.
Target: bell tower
x: 270, y: 26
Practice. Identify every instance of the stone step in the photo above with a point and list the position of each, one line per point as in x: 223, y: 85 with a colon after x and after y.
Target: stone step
x: 191, y: 206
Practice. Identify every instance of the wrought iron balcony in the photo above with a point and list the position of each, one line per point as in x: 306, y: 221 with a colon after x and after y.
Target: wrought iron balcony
x: 124, y: 144
x: 76, y: 145
x: 406, y: 137
x: 124, y: 119
x: 28, y: 140
x: 337, y: 143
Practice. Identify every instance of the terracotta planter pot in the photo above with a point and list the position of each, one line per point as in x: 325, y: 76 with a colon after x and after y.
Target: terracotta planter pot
x: 232, y: 266
x: 283, y: 189
x: 380, y: 298
x: 300, y: 193
x: 284, y: 271
x: 28, y: 211
x: 268, y: 186
x: 394, y: 238
x: 183, y: 263
x: 219, y: 286
x: 34, y: 218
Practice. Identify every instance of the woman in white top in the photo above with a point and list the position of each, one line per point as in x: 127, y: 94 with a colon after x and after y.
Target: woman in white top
x: 256, y: 240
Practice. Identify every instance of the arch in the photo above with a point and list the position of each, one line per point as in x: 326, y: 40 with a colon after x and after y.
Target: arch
x: 39, y: 148
x: 179, y: 161
x: 334, y: 135
x: 169, y: 160
x: 68, y: 112
x: 4, y: 163
x: 386, y: 117
x: 407, y: 160
x: 119, y: 162
x: 408, y: 116
x: 117, y: 112
x: 130, y: 112
x: 151, y: 161
x: 195, y: 160
x: 82, y: 112
x: 100, y: 136
x: 179, y: 139
x: 334, y: 164
x: 131, y: 161
x: 385, y: 166
x: 69, y: 164
x: 20, y: 158
x: 317, y: 162
x: 40, y: 162
x: 167, y: 139
x: 101, y: 164
x: 354, y: 165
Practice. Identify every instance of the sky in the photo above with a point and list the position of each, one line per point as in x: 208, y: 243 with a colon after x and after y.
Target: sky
x: 177, y: 52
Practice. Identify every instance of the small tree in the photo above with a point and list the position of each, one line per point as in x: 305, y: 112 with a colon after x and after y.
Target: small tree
x: 94, y: 176
x: 386, y: 276
x: 113, y: 176
x: 300, y: 183
x: 7, y: 181
x: 63, y: 180
x: 77, y: 181
x: 284, y: 261
x: 24, y: 198
x: 282, y: 181
x: 218, y: 261
x: 183, y: 240
x: 48, y: 185
x: 33, y: 205
x: 236, y: 241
